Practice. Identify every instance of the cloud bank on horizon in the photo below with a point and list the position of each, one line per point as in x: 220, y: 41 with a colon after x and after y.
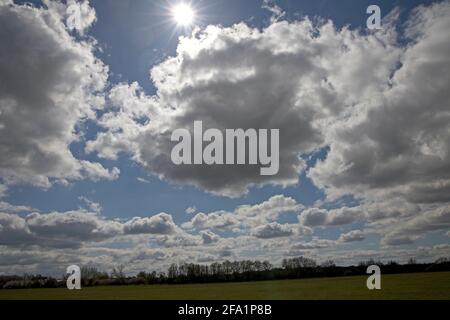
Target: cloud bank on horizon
x: 377, y: 103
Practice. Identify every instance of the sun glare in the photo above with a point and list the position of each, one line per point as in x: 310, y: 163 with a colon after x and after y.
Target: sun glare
x: 183, y: 14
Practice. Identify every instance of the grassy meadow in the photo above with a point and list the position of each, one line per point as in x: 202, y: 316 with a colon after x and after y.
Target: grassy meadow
x: 404, y: 286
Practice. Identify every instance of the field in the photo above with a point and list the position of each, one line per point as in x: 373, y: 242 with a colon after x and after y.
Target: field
x: 406, y: 286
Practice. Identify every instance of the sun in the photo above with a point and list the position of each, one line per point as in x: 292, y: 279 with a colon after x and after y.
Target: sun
x: 183, y: 14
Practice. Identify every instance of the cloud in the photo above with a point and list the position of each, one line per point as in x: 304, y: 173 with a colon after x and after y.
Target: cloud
x: 300, y: 77
x: 142, y: 180
x: 380, y: 107
x: 314, y: 217
x: 70, y: 228
x: 74, y: 229
x: 245, y: 216
x: 191, y: 210
x: 352, y: 236
x: 159, y: 224
x: 91, y: 205
x: 215, y: 220
x: 397, y: 143
x: 415, y: 228
x: 277, y: 12
x: 209, y: 237
x: 7, y: 207
x: 49, y: 84
x: 273, y: 230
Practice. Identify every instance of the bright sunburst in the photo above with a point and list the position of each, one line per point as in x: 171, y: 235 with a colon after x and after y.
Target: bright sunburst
x: 183, y: 14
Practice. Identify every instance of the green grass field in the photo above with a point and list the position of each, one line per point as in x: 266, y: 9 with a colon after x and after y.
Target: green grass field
x: 406, y: 286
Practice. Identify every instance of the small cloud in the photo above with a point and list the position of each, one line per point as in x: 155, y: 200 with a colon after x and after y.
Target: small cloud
x: 191, y: 210
x: 91, y: 205
x: 277, y: 12
x: 352, y: 236
x: 142, y: 180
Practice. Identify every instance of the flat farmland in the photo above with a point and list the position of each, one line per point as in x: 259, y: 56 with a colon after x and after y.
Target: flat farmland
x: 421, y: 286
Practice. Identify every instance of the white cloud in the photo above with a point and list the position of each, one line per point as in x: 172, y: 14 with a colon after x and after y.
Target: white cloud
x: 352, y: 236
x: 397, y: 143
x: 314, y: 217
x: 87, y: 15
x: 142, y: 180
x: 209, y: 237
x: 416, y: 227
x: 49, y: 84
x: 159, y: 224
x: 245, y: 216
x: 215, y: 220
x: 277, y: 12
x: 273, y: 230
x: 91, y: 205
x: 300, y: 77
x: 7, y: 207
x: 387, y: 131
x: 191, y: 210
x: 76, y: 228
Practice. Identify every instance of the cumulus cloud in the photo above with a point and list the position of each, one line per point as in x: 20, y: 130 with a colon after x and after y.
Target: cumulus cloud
x: 314, y: 217
x: 398, y: 142
x: 159, y: 224
x: 352, y: 236
x: 299, y: 77
x: 273, y: 230
x: 216, y: 220
x: 380, y: 107
x: 209, y: 237
x: 76, y: 14
x: 75, y: 228
x: 245, y: 216
x: 9, y: 208
x: 277, y: 12
x: 49, y: 84
x: 416, y: 227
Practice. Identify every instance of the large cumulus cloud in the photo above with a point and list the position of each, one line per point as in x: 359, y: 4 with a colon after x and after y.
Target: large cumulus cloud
x: 74, y: 229
x: 49, y: 84
x: 295, y: 77
x: 398, y: 143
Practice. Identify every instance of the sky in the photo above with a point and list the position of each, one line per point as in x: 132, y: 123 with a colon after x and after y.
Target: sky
x: 87, y: 112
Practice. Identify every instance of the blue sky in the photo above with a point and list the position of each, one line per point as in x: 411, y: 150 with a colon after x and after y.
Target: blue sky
x: 132, y: 37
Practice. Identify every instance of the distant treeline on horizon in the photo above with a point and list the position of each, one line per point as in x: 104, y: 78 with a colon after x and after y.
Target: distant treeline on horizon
x: 227, y: 271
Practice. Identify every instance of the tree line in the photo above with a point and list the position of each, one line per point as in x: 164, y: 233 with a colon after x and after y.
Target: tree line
x: 227, y: 271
